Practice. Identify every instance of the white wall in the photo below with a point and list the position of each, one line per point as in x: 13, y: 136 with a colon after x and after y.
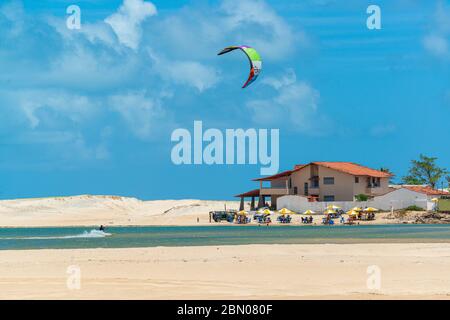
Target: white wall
x: 401, y: 198
x: 398, y: 199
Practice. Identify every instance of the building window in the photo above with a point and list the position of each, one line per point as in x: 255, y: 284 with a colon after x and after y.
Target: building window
x: 356, y: 179
x: 290, y: 183
x: 328, y: 180
x: 328, y: 198
x: 374, y: 182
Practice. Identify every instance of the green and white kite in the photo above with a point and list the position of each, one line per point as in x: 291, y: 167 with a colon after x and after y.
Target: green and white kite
x: 253, y: 58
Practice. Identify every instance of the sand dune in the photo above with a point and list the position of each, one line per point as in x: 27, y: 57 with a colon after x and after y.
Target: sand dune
x: 107, y: 210
x: 88, y: 210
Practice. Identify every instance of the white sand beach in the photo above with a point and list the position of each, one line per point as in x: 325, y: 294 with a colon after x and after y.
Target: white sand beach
x: 307, y: 271
x: 336, y: 271
x: 88, y: 210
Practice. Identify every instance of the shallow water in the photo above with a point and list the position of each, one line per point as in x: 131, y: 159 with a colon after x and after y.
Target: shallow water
x: 122, y: 237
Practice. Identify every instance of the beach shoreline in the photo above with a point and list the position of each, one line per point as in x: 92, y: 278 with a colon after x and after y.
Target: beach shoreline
x: 291, y: 271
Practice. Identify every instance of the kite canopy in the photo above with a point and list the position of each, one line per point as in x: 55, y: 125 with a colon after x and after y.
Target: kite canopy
x: 253, y: 58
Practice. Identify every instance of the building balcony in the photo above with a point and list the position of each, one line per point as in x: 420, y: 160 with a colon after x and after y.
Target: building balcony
x: 374, y: 189
x: 313, y: 190
x: 267, y: 191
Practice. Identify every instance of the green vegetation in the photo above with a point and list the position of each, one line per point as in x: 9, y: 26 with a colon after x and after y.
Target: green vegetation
x: 361, y: 197
x: 425, y: 171
x: 387, y: 170
x: 444, y: 205
x: 414, y: 208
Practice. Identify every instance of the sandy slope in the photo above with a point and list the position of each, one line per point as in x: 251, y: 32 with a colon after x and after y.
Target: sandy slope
x: 86, y: 210
x: 107, y: 210
x: 239, y: 272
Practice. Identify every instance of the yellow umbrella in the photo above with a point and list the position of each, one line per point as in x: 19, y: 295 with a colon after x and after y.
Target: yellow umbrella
x: 242, y: 213
x: 435, y: 199
x: 308, y: 212
x: 370, y: 209
x: 357, y: 209
x: 329, y: 211
x: 267, y: 211
x: 285, y: 211
x: 352, y: 213
x: 333, y: 207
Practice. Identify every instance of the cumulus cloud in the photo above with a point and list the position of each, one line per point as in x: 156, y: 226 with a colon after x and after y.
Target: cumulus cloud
x: 143, y: 115
x: 195, y: 33
x: 258, y: 23
x: 185, y: 72
x: 437, y: 41
x: 52, y: 106
x: 381, y: 130
x: 13, y: 13
x: 436, y: 45
x: 126, y: 22
x: 294, y: 106
x: 90, y: 75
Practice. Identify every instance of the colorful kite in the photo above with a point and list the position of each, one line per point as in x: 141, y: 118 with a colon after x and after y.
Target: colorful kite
x: 253, y: 58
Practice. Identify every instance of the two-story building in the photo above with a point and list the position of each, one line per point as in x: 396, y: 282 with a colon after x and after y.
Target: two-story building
x: 322, y: 181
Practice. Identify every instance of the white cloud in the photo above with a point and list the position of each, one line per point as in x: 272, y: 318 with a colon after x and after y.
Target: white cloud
x: 437, y: 41
x: 88, y: 74
x: 436, y: 45
x: 382, y: 130
x: 14, y: 13
x: 72, y: 107
x: 126, y: 22
x: 185, y: 72
x: 143, y: 115
x: 255, y: 23
x: 200, y: 32
x: 294, y: 106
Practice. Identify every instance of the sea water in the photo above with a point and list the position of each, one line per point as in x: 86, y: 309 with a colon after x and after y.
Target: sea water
x: 123, y: 237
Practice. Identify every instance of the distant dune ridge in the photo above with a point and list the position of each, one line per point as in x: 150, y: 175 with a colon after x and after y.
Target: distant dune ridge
x: 90, y: 210
x: 85, y: 210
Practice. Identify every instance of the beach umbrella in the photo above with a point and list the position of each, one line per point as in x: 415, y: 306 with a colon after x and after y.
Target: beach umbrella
x: 285, y: 211
x: 308, y: 212
x: 370, y: 209
x: 357, y: 209
x: 435, y: 199
x: 333, y: 207
x: 267, y: 212
x: 352, y: 213
x: 242, y: 213
x: 329, y: 211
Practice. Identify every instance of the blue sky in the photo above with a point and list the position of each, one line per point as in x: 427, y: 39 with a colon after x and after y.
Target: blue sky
x: 92, y: 110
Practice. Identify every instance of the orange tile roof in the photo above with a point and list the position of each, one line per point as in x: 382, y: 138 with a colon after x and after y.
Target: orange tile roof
x: 251, y: 193
x: 354, y: 169
x: 429, y: 191
x: 275, y: 176
x: 347, y: 167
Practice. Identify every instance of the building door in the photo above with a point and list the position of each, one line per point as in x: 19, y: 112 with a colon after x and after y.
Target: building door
x: 306, y: 189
